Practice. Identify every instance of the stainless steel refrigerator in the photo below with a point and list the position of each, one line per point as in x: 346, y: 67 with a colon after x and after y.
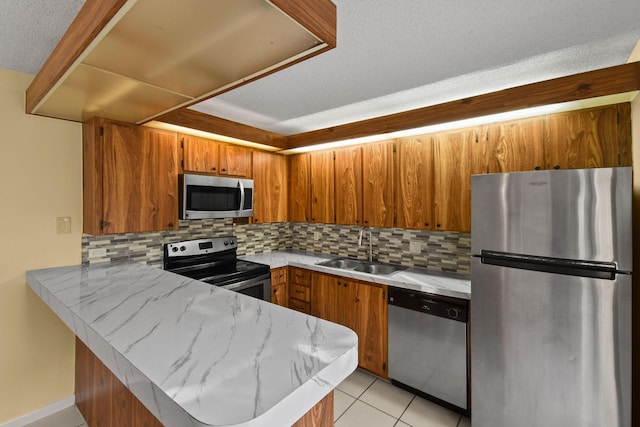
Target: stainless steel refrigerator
x: 551, y: 298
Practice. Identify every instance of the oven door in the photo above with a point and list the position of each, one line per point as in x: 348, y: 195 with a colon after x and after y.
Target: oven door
x: 257, y: 287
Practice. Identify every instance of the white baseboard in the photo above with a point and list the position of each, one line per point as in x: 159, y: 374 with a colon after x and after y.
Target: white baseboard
x: 41, y: 413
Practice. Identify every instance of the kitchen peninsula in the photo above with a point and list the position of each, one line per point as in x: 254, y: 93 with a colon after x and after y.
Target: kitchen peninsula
x: 199, y: 355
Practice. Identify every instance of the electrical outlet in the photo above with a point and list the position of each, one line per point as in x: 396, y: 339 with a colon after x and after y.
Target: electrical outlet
x: 317, y: 235
x: 97, y: 253
x: 415, y: 247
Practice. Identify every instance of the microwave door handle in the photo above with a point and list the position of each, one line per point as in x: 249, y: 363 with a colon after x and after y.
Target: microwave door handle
x: 241, y: 185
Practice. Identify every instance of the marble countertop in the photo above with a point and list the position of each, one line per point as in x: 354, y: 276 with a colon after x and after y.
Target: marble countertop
x: 196, y: 354
x: 418, y: 279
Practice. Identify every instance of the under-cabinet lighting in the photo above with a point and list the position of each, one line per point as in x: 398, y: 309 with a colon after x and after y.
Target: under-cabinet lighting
x: 475, y: 121
x: 209, y: 135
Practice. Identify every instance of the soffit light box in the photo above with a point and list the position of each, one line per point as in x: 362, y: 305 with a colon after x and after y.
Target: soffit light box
x: 155, y: 56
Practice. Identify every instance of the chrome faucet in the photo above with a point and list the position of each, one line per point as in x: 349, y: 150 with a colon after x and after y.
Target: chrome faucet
x: 360, y: 234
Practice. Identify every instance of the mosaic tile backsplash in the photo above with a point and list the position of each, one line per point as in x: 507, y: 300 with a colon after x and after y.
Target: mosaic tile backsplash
x: 436, y: 250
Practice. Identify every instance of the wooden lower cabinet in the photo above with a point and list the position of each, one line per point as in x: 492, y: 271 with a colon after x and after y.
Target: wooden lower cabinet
x: 300, y: 289
x: 361, y: 306
x: 104, y: 401
x: 321, y: 415
x: 279, y: 286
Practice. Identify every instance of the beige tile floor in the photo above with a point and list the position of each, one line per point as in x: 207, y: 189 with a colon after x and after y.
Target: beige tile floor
x: 361, y: 400
x: 366, y: 400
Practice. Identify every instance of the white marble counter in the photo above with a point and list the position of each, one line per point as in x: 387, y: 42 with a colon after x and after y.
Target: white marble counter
x: 195, y: 354
x: 419, y: 279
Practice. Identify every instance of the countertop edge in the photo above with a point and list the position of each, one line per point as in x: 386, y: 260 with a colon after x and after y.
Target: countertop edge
x: 279, y: 259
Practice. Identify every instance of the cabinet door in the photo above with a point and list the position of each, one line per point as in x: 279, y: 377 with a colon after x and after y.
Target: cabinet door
x: 235, y: 160
x: 414, y: 186
x: 279, y: 286
x: 624, y: 134
x: 509, y: 147
x: 279, y: 294
x: 140, y: 179
x: 200, y: 154
x: 325, y: 292
x: 300, y: 188
x: 582, y: 139
x: 369, y: 321
x: 378, y: 184
x: 322, y: 187
x: 348, y: 178
x: 270, y: 187
x: 452, y: 179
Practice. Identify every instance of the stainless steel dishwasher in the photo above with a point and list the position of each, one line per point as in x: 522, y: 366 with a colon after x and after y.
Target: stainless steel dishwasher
x: 428, y: 346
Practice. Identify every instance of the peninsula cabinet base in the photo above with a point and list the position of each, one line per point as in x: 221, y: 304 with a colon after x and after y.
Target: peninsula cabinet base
x: 104, y: 401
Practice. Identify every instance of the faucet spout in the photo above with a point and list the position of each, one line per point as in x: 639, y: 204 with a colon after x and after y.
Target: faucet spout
x: 360, y: 234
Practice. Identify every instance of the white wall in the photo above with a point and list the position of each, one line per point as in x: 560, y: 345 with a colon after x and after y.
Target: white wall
x: 40, y: 179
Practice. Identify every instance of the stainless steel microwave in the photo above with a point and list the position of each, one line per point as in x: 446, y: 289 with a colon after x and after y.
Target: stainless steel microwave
x: 203, y: 196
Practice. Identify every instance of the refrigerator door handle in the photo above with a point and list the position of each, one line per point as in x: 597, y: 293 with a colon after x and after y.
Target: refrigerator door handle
x: 571, y: 267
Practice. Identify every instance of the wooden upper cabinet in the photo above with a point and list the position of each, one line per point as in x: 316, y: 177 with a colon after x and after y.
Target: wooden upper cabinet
x: 135, y: 187
x: 269, y: 187
x: 300, y: 188
x: 322, y: 187
x: 414, y: 183
x: 583, y: 139
x: 452, y: 179
x: 214, y: 157
x: 200, y: 154
x: 235, y: 160
x: 509, y: 147
x: 624, y: 134
x: 378, y: 184
x: 348, y: 182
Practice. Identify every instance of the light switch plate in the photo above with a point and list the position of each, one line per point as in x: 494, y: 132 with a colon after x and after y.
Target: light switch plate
x: 63, y: 225
x: 415, y: 247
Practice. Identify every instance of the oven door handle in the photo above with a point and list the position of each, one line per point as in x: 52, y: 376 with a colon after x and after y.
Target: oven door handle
x: 237, y: 286
x: 248, y: 283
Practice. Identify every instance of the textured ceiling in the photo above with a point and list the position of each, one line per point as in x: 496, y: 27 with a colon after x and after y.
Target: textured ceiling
x: 391, y: 56
x: 398, y: 55
x: 30, y: 29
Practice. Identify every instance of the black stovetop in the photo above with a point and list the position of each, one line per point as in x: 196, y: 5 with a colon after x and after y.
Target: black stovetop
x: 215, y: 266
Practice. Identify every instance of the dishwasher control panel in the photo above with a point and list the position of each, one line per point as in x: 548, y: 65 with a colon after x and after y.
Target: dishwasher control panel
x: 436, y: 305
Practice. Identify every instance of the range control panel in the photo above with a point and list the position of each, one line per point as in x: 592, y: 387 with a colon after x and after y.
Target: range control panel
x: 201, y: 246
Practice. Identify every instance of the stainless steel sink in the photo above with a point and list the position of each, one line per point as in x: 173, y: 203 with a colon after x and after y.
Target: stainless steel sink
x: 382, y: 269
x: 362, y: 266
x: 344, y: 263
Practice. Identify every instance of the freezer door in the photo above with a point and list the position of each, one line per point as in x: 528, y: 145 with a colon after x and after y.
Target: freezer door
x: 549, y: 349
x: 582, y: 214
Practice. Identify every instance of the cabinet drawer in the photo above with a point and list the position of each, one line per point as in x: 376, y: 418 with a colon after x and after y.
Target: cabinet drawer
x: 278, y: 276
x: 300, y: 276
x: 300, y: 292
x: 302, y: 306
